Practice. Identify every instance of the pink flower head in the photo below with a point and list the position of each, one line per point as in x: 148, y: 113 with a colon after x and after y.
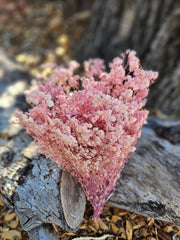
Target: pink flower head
x: 89, y: 125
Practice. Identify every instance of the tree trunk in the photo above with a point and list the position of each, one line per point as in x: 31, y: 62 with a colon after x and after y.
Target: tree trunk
x: 152, y: 28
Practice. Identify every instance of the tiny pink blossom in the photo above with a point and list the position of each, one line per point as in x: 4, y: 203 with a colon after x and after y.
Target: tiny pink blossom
x: 90, y: 124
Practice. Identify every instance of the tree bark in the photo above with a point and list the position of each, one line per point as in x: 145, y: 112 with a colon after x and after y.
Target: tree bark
x: 152, y: 28
x: 48, y: 195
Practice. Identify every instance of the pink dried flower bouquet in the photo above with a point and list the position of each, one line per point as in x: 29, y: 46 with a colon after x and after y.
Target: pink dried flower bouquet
x: 90, y: 124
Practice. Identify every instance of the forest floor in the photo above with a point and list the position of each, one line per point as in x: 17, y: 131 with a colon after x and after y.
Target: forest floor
x: 35, y: 33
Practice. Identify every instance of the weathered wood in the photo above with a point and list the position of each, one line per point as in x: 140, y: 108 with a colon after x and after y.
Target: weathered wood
x: 34, y: 186
x: 152, y: 28
x: 72, y: 200
x: 40, y: 198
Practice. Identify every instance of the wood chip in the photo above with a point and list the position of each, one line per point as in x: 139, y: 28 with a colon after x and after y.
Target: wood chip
x: 67, y: 234
x: 122, y: 213
x: 150, y: 222
x: 133, y: 216
x: 156, y: 233
x: 55, y: 227
x: 139, y: 225
x: 168, y: 229
x: 114, y: 218
x: 115, y: 229
x: 108, y: 219
x: 103, y: 226
x: 129, y: 230
x: 93, y: 224
x: 83, y: 226
x: 93, y: 228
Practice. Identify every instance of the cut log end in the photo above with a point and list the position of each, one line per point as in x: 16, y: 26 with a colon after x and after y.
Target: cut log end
x: 73, y: 200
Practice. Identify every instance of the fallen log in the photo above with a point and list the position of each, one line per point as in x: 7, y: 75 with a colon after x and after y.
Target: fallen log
x: 41, y: 193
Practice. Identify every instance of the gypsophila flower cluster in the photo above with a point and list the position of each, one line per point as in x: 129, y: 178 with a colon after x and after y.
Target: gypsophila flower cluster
x: 89, y: 124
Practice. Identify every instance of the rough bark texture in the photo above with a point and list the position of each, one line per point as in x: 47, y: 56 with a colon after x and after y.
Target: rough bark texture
x: 152, y: 28
x: 38, y: 199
